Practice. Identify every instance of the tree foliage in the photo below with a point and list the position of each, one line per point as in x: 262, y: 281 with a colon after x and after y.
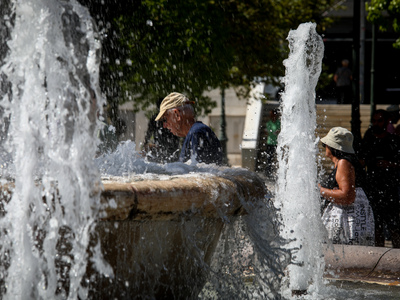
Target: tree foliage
x: 171, y: 46
x: 154, y: 47
x: 385, y: 14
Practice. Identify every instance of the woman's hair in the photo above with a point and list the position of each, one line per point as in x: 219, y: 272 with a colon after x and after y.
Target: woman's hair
x: 361, y: 180
x: 336, y: 153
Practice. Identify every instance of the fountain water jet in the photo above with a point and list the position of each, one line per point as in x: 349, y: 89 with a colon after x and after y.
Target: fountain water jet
x: 52, y: 70
x: 297, y: 195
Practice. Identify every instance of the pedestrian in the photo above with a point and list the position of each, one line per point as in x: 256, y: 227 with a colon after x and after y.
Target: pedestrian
x: 380, y: 153
x: 343, y: 77
x: 348, y: 217
x: 394, y: 116
x: 201, y: 145
x: 273, y: 128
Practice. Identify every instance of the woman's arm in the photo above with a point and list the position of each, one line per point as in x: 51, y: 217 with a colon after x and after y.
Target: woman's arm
x: 346, y: 179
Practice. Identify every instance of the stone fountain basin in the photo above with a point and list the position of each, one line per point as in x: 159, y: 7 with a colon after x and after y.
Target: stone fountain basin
x: 159, y: 235
x: 208, y: 195
x: 361, y: 263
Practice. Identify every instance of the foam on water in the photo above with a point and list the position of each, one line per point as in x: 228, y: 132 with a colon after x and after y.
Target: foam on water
x: 125, y: 162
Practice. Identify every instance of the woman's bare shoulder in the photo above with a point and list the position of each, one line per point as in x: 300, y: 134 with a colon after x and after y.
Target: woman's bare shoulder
x: 344, y: 163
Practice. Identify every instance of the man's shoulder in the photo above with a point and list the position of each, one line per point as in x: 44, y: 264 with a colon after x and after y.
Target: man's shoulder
x: 201, y: 131
x: 342, y: 70
x: 199, y: 127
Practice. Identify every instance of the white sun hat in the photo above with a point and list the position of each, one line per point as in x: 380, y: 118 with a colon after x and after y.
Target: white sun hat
x: 339, y: 138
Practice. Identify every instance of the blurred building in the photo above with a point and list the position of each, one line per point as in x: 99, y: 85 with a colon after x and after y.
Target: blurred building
x: 338, y: 40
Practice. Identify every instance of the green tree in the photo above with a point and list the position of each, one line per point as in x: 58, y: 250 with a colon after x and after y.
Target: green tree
x: 154, y: 47
x: 386, y: 15
x: 171, y: 46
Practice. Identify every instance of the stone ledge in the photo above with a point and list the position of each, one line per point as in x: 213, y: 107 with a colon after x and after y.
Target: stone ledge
x: 361, y: 263
x: 210, y: 196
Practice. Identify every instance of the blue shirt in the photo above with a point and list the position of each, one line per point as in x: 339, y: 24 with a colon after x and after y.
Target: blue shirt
x: 202, y: 145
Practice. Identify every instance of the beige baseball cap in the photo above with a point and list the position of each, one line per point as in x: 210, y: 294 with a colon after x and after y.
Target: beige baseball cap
x: 171, y: 101
x: 339, y: 138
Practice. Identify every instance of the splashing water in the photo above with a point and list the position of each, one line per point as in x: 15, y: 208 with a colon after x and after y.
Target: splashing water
x: 52, y: 69
x: 297, y: 195
x: 50, y: 98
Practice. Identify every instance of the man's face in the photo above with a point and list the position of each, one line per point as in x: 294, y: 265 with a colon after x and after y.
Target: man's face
x: 378, y: 123
x: 172, y: 121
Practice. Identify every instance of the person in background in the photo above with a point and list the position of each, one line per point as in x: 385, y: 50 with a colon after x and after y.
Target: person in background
x: 394, y: 116
x: 273, y: 128
x: 160, y: 145
x: 394, y: 128
x: 343, y: 77
x: 380, y: 154
x: 201, y: 145
x: 348, y: 217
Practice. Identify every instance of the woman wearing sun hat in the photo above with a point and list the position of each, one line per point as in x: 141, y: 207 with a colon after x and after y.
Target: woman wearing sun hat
x: 348, y: 217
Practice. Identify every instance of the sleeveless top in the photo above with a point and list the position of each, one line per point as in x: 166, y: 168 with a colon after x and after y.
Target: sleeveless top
x: 361, y: 179
x: 351, y: 224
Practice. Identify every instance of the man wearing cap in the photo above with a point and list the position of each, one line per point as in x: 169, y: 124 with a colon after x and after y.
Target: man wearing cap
x: 201, y: 144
